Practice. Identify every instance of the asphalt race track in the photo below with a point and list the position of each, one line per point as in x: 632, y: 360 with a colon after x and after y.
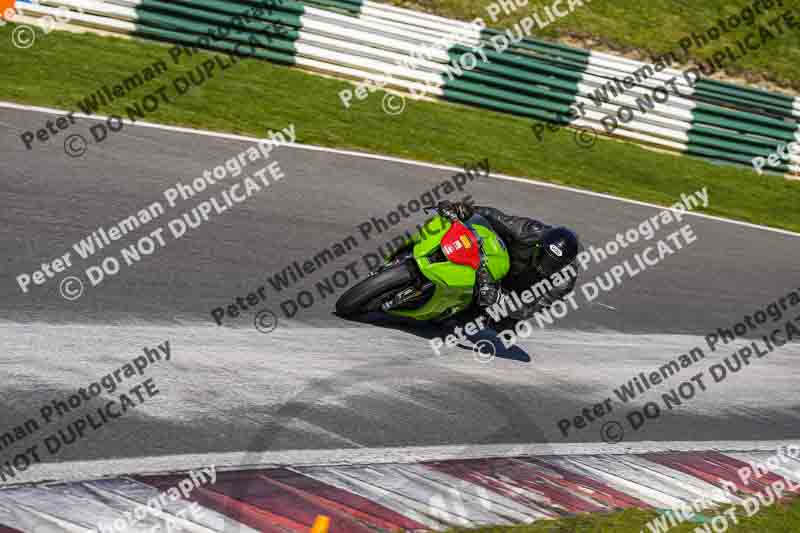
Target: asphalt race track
x: 318, y: 381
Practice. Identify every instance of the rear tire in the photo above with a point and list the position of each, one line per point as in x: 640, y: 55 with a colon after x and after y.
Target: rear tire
x: 370, y: 293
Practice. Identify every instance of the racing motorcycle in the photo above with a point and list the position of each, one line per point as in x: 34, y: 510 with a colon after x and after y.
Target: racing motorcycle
x: 433, y: 275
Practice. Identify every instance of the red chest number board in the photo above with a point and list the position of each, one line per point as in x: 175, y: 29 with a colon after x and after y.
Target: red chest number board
x: 460, y: 246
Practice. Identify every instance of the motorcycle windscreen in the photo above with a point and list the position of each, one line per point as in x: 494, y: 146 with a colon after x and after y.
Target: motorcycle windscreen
x: 461, y: 247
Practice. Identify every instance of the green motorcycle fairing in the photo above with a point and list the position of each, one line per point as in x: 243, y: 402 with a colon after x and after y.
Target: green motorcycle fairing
x: 453, y: 283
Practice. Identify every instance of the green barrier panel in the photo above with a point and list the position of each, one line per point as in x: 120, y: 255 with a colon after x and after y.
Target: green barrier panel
x: 183, y: 38
x: 520, y: 74
x: 696, y: 138
x: 355, y: 5
x: 526, y: 62
x: 726, y: 156
x: 755, y: 91
x: 202, y: 30
x: 268, y: 6
x: 324, y: 4
x: 551, y: 48
x: 479, y: 77
x: 727, y: 92
x: 507, y: 96
x: 747, y: 117
x: 703, y: 117
x: 741, y: 104
x: 229, y: 14
x: 576, y: 56
x: 755, y: 141
x: 454, y: 95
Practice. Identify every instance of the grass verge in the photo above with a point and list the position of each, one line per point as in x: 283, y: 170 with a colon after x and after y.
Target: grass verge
x: 253, y: 96
x: 779, y: 518
x: 653, y: 27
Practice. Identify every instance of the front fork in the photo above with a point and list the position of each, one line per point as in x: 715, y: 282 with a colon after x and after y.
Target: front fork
x: 406, y: 296
x: 409, y: 294
x: 398, y: 256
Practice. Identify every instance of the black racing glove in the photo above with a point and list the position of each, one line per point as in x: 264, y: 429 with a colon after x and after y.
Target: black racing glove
x: 489, y: 292
x: 454, y: 210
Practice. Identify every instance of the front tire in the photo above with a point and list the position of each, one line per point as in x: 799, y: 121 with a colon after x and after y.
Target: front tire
x: 369, y: 294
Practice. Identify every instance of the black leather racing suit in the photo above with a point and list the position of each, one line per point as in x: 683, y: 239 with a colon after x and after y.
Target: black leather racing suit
x: 521, y: 236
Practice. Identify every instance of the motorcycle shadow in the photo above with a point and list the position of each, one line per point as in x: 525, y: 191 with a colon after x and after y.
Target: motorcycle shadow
x: 432, y: 330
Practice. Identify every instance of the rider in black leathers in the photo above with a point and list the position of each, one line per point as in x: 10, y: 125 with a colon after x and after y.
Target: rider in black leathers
x: 536, y: 250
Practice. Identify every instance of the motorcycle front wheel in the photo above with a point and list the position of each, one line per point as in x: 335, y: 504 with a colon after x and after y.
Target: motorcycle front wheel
x: 369, y: 294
